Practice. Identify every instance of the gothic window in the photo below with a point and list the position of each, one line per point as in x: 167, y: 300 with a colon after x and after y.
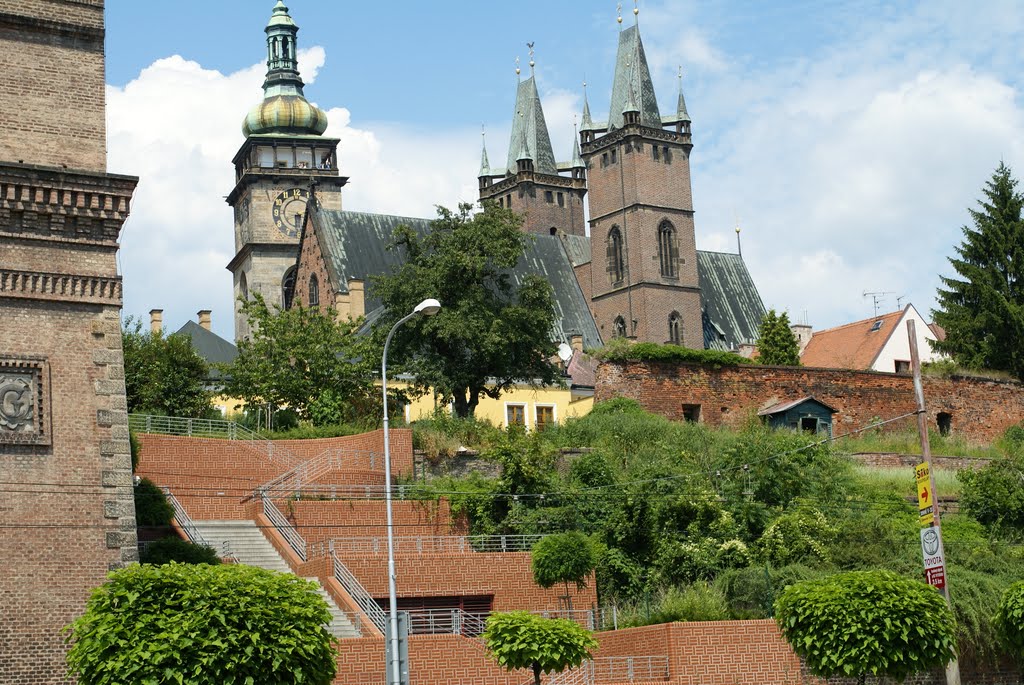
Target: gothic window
x: 675, y: 334
x: 314, y: 291
x: 620, y: 327
x: 549, y: 197
x: 616, y: 264
x: 243, y: 287
x: 288, y: 288
x: 668, y: 252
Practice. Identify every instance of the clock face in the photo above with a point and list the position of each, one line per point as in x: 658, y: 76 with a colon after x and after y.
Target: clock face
x: 289, y: 208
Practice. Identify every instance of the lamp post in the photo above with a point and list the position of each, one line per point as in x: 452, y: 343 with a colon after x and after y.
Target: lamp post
x: 427, y: 307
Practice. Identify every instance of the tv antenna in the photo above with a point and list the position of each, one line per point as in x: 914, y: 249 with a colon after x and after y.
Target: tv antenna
x: 877, y: 297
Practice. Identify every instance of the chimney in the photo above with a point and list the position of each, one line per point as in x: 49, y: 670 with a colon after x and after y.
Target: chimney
x: 803, y: 333
x: 204, y: 318
x: 357, y: 294
x: 156, y: 321
x: 576, y: 342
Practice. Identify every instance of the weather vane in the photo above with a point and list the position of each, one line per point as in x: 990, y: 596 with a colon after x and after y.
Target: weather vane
x: 530, y: 45
x: 517, y: 65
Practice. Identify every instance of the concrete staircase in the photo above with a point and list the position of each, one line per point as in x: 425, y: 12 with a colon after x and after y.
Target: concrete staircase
x: 246, y: 542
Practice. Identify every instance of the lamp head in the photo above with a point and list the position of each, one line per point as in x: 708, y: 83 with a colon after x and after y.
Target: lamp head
x: 427, y: 307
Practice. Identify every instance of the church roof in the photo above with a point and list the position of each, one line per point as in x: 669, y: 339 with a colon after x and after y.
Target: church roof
x: 530, y: 130
x: 632, y: 88
x: 208, y: 345
x: 354, y: 246
x: 732, y: 305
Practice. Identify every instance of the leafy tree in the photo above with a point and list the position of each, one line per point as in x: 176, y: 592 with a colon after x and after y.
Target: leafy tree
x: 1009, y: 619
x: 982, y: 306
x: 302, y: 359
x: 151, y: 506
x: 518, y: 639
x: 563, y: 558
x: 776, y: 344
x: 163, y: 374
x: 491, y: 332
x: 202, y: 625
x: 867, y: 623
x: 166, y: 550
x: 994, y: 494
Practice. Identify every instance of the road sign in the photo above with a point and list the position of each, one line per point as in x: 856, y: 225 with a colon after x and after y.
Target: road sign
x: 934, y: 557
x: 925, y: 496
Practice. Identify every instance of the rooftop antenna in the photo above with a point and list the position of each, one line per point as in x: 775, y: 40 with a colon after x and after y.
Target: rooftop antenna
x: 877, y: 297
x: 899, y: 301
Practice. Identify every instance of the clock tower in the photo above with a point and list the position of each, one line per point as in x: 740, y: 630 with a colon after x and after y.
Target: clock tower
x: 283, y: 154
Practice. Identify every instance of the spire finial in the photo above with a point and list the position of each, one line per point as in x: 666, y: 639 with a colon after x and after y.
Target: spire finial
x: 618, y: 10
x: 680, y: 78
x: 532, y: 63
x: 517, y: 65
x: 636, y: 12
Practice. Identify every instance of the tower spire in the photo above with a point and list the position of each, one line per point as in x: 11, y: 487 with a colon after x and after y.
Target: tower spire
x: 529, y: 130
x: 633, y: 77
x: 681, y: 114
x: 588, y: 122
x: 577, y: 158
x: 485, y: 165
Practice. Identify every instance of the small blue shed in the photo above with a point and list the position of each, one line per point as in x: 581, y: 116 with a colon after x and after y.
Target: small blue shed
x: 805, y: 414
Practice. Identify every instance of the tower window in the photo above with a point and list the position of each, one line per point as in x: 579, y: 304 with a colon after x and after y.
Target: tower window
x: 508, y: 201
x: 243, y: 287
x: 675, y: 334
x: 314, y: 291
x: 668, y: 251
x: 604, y: 159
x: 616, y: 264
x: 561, y: 199
x: 655, y: 154
x: 619, y: 327
x: 288, y: 288
x: 613, y: 155
x: 549, y: 197
x: 667, y: 154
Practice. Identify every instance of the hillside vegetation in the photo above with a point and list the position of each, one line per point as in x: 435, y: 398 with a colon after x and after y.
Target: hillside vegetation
x: 694, y: 523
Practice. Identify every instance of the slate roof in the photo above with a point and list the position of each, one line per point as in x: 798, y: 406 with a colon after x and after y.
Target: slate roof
x: 851, y: 346
x: 210, y: 346
x: 732, y: 306
x: 354, y: 246
x: 529, y: 130
x: 786, y: 406
x: 632, y: 82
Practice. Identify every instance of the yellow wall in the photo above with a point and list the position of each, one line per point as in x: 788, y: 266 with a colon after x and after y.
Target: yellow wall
x: 495, y: 411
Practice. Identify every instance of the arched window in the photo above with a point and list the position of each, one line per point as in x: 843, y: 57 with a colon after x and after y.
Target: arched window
x: 616, y: 264
x: 668, y: 252
x: 288, y: 288
x: 675, y: 330
x: 243, y: 287
x: 620, y: 327
x: 314, y: 291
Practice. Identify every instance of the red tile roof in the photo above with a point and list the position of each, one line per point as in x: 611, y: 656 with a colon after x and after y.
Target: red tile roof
x: 852, y: 346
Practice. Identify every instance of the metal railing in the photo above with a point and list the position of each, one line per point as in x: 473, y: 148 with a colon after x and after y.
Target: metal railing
x: 186, y: 523
x: 211, y: 428
x: 615, y: 669
x: 296, y: 481
x: 429, y: 544
x: 285, y: 528
x: 446, y: 621
x: 359, y: 595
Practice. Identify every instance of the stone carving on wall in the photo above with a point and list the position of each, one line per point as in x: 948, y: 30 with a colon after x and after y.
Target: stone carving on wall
x: 24, y: 401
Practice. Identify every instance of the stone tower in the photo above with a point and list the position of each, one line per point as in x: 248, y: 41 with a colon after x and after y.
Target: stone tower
x: 67, y: 514
x: 643, y: 276
x: 283, y: 153
x: 532, y: 183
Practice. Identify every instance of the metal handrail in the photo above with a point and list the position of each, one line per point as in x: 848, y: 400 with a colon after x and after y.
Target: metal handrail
x: 359, y: 595
x: 447, y: 621
x: 296, y: 480
x: 615, y: 669
x: 429, y: 544
x: 186, y: 523
x: 211, y: 428
x: 284, y: 527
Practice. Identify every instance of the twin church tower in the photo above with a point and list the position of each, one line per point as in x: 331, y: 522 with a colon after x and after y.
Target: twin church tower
x: 639, y: 267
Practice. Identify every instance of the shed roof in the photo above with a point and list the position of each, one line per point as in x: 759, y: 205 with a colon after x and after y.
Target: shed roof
x: 786, y: 406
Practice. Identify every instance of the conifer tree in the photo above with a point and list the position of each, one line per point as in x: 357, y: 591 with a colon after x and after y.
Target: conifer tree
x: 776, y: 344
x: 982, y: 306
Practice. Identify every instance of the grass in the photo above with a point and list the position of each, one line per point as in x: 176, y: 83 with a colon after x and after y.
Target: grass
x: 908, y: 442
x: 899, y: 480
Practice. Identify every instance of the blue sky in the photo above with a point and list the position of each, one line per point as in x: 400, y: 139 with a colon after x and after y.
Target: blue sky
x: 848, y: 140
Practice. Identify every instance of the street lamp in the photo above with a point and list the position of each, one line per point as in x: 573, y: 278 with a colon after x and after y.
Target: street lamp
x: 427, y: 307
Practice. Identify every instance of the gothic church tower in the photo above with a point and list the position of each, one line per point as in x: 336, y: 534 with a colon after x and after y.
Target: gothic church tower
x: 643, y: 275
x: 531, y: 184
x: 283, y: 154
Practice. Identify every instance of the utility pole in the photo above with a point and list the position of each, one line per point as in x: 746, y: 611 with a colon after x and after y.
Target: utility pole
x: 928, y: 500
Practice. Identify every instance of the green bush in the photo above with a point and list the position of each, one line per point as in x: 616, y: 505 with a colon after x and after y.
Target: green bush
x: 166, y: 550
x: 617, y: 351
x: 136, y: 450
x: 563, y: 558
x: 800, y: 535
x: 1009, y: 619
x: 994, y: 494
x: 202, y: 625
x: 151, y: 505
x: 751, y: 592
x: 685, y: 562
x: 519, y: 639
x: 696, y: 602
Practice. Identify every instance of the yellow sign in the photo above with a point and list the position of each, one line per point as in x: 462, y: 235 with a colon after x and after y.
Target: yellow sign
x: 925, y: 496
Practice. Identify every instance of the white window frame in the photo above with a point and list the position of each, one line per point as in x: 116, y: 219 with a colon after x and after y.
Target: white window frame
x: 526, y: 413
x: 554, y: 412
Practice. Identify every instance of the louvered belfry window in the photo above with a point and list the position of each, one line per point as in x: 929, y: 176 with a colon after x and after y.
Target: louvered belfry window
x: 675, y: 335
x: 620, y: 327
x: 668, y: 251
x: 616, y: 264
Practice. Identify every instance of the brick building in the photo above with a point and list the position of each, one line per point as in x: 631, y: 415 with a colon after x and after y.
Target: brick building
x: 67, y: 514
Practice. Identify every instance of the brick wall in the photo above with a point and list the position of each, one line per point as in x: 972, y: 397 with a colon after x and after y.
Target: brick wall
x: 51, y: 55
x: 981, y: 409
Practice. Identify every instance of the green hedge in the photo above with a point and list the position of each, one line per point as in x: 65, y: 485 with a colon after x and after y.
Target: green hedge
x: 652, y: 352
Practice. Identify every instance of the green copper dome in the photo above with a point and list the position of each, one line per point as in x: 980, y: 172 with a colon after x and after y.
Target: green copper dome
x: 285, y: 114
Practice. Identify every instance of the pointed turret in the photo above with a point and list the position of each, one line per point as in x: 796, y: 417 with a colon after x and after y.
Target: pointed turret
x: 681, y: 113
x: 579, y: 167
x: 485, y: 165
x: 528, y: 124
x: 632, y: 77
